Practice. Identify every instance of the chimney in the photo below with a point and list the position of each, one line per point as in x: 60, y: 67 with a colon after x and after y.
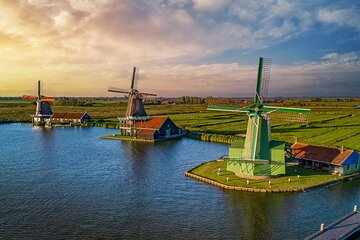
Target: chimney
x: 342, y: 149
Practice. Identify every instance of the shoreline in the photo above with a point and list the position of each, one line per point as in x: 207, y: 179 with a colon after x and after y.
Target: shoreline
x: 205, y: 137
x: 127, y: 138
x: 266, y: 190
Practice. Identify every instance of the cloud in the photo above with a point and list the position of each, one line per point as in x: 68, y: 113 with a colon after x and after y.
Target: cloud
x: 92, y: 44
x: 347, y: 17
x: 209, y: 5
x: 336, y: 75
x: 348, y: 59
x: 152, y: 30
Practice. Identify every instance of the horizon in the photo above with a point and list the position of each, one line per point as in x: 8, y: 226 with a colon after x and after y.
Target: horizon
x: 177, y: 97
x: 180, y: 47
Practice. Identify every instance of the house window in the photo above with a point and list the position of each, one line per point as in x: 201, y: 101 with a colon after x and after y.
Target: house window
x: 348, y: 167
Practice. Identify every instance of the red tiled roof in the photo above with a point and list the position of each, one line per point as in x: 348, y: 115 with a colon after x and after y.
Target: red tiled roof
x: 147, y: 131
x: 152, y: 123
x: 320, y: 154
x: 68, y: 115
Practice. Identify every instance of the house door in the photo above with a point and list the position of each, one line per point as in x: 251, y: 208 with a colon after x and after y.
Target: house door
x: 168, y: 132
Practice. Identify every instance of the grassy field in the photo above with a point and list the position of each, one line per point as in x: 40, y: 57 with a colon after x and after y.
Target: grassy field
x: 307, y: 177
x: 332, y: 122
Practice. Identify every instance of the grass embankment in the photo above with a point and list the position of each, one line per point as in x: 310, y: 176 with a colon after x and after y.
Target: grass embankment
x: 118, y: 137
x: 219, y: 138
x: 308, y: 177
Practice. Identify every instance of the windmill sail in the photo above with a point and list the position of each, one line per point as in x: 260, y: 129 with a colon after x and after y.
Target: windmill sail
x: 262, y: 84
x: 135, y: 110
x: 133, y: 79
x: 266, y: 67
x: 43, y: 107
x: 135, y: 107
x: 258, y: 146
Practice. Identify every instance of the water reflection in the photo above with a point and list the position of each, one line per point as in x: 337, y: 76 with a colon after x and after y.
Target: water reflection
x: 68, y: 182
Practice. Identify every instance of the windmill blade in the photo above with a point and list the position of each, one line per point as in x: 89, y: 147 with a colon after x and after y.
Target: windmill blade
x: 117, y: 90
x: 48, y: 99
x: 290, y: 117
x: 270, y: 109
x: 133, y: 78
x: 148, y: 94
x: 228, y: 109
x: 265, y: 78
x: 262, y: 85
x: 287, y: 114
x: 39, y: 88
x: 28, y: 97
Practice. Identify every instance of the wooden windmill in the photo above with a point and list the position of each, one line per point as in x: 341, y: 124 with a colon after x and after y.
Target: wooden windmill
x: 43, y: 108
x: 135, y: 110
x: 260, y: 156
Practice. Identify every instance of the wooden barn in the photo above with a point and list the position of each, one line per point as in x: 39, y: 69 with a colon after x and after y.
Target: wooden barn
x: 70, y: 118
x: 157, y: 128
x: 333, y: 160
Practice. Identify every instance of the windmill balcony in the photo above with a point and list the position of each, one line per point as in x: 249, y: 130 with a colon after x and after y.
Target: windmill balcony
x: 241, y: 160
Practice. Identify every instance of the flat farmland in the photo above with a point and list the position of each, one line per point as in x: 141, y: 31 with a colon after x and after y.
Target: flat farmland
x: 332, y: 122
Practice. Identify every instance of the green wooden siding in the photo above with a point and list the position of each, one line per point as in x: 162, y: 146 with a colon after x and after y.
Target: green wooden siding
x: 275, y: 167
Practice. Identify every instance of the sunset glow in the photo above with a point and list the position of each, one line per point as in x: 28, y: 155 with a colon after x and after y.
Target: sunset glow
x: 181, y: 47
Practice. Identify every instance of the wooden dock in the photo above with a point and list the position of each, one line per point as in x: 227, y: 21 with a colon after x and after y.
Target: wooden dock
x: 340, y: 229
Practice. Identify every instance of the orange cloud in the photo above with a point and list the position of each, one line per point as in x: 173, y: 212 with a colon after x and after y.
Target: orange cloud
x: 79, y: 48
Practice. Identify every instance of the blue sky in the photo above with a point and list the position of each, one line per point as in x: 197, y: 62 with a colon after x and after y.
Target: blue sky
x: 181, y: 47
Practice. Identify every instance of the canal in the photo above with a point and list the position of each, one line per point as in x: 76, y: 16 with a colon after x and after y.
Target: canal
x: 67, y: 183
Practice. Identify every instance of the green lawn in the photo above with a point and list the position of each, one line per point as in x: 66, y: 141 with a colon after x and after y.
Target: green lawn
x: 307, y: 177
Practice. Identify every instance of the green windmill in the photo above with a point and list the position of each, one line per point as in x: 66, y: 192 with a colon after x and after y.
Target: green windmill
x: 259, y: 156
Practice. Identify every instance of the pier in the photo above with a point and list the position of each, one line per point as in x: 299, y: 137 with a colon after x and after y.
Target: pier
x: 340, y: 229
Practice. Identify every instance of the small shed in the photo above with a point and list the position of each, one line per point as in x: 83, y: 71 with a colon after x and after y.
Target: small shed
x: 70, y: 118
x: 157, y: 128
x: 333, y: 160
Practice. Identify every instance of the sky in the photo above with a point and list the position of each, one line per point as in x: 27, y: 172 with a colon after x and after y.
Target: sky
x: 180, y: 47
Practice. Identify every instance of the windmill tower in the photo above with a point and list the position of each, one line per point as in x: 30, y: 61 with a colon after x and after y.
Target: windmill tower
x: 43, y: 108
x: 135, y: 111
x: 260, y: 157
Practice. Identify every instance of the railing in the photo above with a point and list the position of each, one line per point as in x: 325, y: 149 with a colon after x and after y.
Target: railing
x: 241, y: 160
x: 333, y: 225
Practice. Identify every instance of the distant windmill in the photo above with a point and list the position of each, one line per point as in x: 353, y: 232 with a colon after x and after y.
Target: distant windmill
x: 135, y: 110
x: 43, y: 108
x: 260, y: 156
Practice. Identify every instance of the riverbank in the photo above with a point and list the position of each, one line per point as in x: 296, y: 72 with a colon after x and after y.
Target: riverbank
x: 131, y: 138
x: 124, y: 138
x: 217, y: 138
x: 9, y: 121
x: 108, y: 124
x: 301, y: 179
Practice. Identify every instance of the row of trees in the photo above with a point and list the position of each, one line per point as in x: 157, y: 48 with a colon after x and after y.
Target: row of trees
x: 82, y: 102
x: 198, y: 100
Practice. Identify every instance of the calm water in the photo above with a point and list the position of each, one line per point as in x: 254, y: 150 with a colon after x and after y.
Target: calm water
x: 67, y: 183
